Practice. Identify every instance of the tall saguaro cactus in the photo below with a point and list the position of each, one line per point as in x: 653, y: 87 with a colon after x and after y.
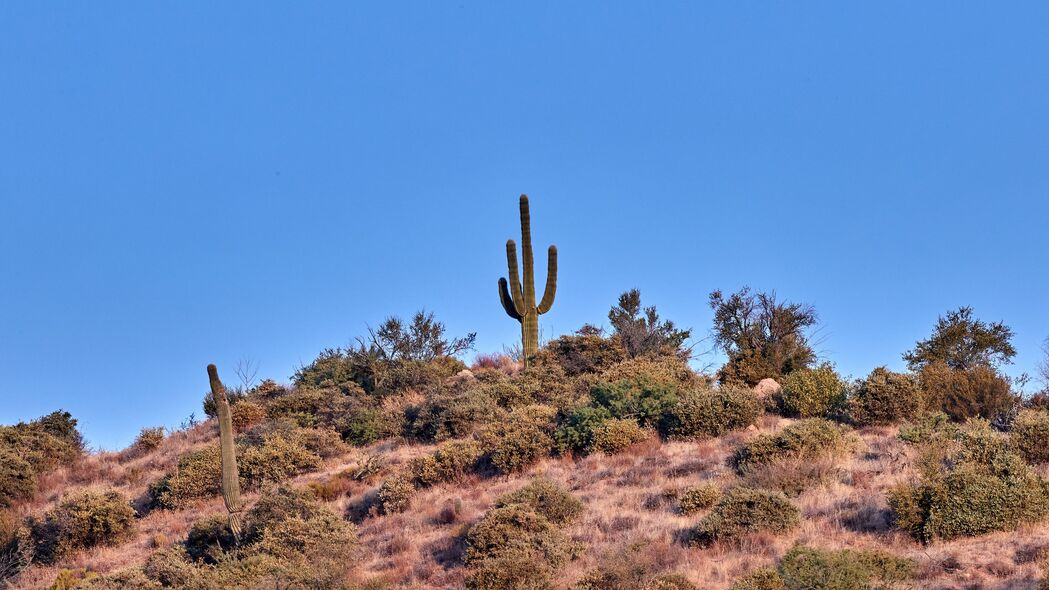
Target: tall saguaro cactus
x: 230, y: 475
x: 518, y: 300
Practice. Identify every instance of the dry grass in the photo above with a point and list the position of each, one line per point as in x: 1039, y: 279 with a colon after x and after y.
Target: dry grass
x: 631, y: 508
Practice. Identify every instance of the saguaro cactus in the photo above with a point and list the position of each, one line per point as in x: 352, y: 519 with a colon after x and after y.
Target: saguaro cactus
x: 230, y: 475
x: 518, y: 301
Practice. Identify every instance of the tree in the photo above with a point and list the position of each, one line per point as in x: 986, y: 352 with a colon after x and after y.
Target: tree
x: 962, y: 342
x: 641, y: 330
x: 761, y: 336
x: 422, y: 340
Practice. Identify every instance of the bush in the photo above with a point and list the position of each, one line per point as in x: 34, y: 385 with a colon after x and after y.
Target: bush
x: 148, y: 439
x: 126, y: 579
x: 321, y: 535
x: 30, y: 449
x: 275, y: 505
x: 515, y: 531
x: 643, y: 402
x: 246, y: 414
x: 515, y: 572
x: 545, y: 498
x: 791, y: 476
x: 82, y: 521
x: 17, y: 480
x: 975, y: 487
x: 626, y: 573
x: 616, y: 435
x: 662, y: 372
x: 366, y: 425
x: 812, y: 393
x: 583, y: 353
x: 885, y: 397
x: 209, y: 538
x: 198, y: 475
x: 706, y: 412
x: 576, y: 432
x: 670, y: 582
x: 453, y: 414
x: 277, y: 459
x: 762, y: 579
x: 807, y: 439
x: 979, y: 391
x: 520, y: 440
x: 699, y: 498
x: 743, y: 511
x: 1030, y: 435
x: 928, y: 427
x: 806, y: 568
x: 395, y: 494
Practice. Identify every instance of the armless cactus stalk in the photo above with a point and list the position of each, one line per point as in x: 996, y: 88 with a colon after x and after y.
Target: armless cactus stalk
x: 519, y: 302
x: 230, y: 475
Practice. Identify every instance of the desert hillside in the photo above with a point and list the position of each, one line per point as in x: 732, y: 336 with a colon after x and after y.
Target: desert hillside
x: 605, y: 463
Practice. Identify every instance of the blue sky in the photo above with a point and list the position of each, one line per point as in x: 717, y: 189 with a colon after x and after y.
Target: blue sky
x: 184, y: 183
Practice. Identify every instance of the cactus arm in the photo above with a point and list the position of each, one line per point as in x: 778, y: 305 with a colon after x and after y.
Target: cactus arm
x: 516, y: 294
x: 507, y: 300
x: 230, y: 475
x: 551, y: 281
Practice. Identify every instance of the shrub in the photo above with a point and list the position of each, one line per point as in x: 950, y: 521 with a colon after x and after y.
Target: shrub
x: 812, y: 393
x: 617, y: 434
x: 17, y: 480
x: 246, y: 414
x: 545, y: 498
x: 82, y: 521
x: 520, y: 440
x: 641, y: 331
x: 928, y: 427
x: 960, y: 341
x: 792, y: 476
x: 885, y: 397
x: 395, y: 494
x: 171, y: 568
x: 804, y: 567
x: 311, y: 406
x: 452, y: 461
x: 277, y: 459
x: 583, y: 353
x: 366, y: 425
x: 670, y: 582
x: 645, y: 403
x: 626, y: 573
x: 743, y: 511
x: 699, y: 498
x: 662, y: 372
x: 978, y: 486
x: 30, y: 449
x: 322, y: 535
x: 979, y: 391
x: 126, y: 579
x: 576, y: 432
x: 706, y: 412
x: 516, y: 531
x: 198, y: 475
x: 1030, y: 435
x: 806, y: 439
x: 276, y: 505
x: 148, y: 439
x: 209, y: 538
x: 514, y: 572
x: 452, y: 414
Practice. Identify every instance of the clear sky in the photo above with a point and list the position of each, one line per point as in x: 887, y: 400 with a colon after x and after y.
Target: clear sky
x: 184, y: 183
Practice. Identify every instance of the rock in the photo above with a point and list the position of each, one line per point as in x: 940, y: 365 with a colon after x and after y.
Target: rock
x: 464, y: 376
x: 766, y: 389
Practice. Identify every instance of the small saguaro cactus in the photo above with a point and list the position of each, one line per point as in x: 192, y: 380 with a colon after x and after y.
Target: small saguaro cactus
x: 518, y: 301
x: 230, y: 475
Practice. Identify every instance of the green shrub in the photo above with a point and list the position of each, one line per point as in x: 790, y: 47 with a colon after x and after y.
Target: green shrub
x: 666, y: 372
x: 979, y: 391
x: 742, y: 511
x: 885, y: 397
x: 617, y: 434
x: 30, y: 449
x: 246, y: 414
x: 323, y: 534
x: 670, y: 582
x: 209, y: 538
x: 576, y: 432
x: 706, y: 412
x: 520, y: 440
x: 17, y: 479
x: 1030, y: 435
x: 86, y: 520
x: 792, y: 476
x: 928, y: 427
x: 198, y: 475
x: 976, y: 486
x: 148, y: 439
x: 450, y: 462
x: 545, y: 498
x: 277, y: 459
x: 643, y: 402
x: 275, y: 505
x: 762, y: 579
x: 311, y: 406
x: 396, y: 494
x: 453, y: 414
x: 542, y: 383
x: 807, y: 439
x: 814, y: 569
x: 516, y: 531
x: 626, y: 573
x: 698, y: 498
x: 126, y: 579
x: 812, y: 393
x: 171, y: 568
x: 366, y: 425
x: 511, y: 572
x: 584, y: 353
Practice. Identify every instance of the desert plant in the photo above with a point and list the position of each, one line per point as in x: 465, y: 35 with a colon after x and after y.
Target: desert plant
x: 577, y: 429
x: 511, y: 572
x: 583, y: 353
x: 452, y: 414
x: 230, y: 473
x: 812, y: 393
x: 885, y: 397
x: 395, y: 494
x: 279, y: 457
x: 82, y: 521
x: 1030, y: 435
x: 963, y: 342
x: 742, y: 511
x: 935, y: 425
x: 520, y: 440
x: 707, y: 412
x: 516, y: 531
x: 545, y: 498
x: 966, y: 393
x: 148, y: 439
x: 617, y: 434
x: 198, y: 474
x: 210, y: 537
x: 17, y: 480
x: 640, y: 330
x: 646, y: 403
x: 973, y: 487
x: 519, y: 301
x: 762, y: 337
x: 816, y: 569
x: 807, y: 439
x: 698, y: 498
